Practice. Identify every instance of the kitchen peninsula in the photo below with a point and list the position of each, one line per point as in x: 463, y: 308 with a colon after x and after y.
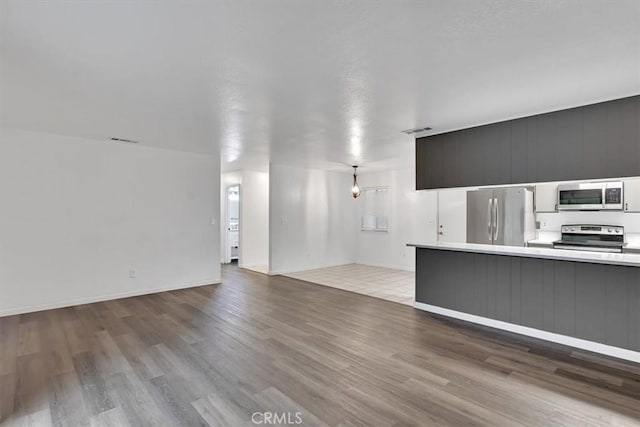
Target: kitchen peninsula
x: 587, y: 300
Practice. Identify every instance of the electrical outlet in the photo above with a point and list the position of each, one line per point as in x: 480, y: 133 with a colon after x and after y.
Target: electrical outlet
x: 545, y: 225
x: 132, y: 274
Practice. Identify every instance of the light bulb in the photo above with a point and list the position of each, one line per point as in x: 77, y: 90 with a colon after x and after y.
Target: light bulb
x: 355, y: 190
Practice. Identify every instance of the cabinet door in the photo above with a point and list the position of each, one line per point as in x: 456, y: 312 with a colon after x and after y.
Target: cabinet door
x: 428, y: 163
x: 546, y: 197
x: 629, y: 137
x: 547, y: 169
x: 519, y: 151
x: 632, y: 195
x: 532, y: 149
x: 524, y: 150
x: 496, y: 153
x: 568, y: 147
x: 434, y: 162
x: 450, y: 161
x: 468, y: 149
x: 595, y: 140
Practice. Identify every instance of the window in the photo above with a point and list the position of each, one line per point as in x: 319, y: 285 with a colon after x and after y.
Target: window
x: 374, y: 209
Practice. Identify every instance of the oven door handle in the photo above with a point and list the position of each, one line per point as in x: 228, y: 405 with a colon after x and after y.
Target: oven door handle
x: 496, y: 219
x: 587, y: 248
x: 489, y: 218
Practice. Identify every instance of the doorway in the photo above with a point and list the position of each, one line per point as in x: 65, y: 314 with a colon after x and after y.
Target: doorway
x: 232, y: 224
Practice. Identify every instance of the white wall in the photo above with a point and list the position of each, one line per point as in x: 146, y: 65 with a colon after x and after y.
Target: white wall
x: 77, y: 215
x: 254, y: 219
x: 311, y: 219
x: 412, y: 218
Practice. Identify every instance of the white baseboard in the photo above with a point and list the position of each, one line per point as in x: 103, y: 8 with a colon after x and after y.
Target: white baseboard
x: 89, y: 300
x: 262, y: 269
x: 595, y: 347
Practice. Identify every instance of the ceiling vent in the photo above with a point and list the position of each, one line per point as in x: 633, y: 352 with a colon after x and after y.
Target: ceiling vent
x: 130, y: 141
x: 416, y: 130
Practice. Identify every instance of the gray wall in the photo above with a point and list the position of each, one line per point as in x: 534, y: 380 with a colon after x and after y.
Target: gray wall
x: 595, y: 141
x: 596, y: 302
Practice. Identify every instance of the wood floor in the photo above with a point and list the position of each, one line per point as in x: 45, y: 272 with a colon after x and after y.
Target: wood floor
x: 218, y: 354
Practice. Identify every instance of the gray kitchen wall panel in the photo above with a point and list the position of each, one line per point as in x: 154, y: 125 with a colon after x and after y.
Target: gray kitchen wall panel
x: 617, y: 310
x: 564, y: 298
x: 594, y: 141
x: 480, y: 284
x: 531, y: 292
x: 547, y: 295
x: 591, y: 280
x: 596, y: 302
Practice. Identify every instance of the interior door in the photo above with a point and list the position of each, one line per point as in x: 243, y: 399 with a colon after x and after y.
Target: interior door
x: 480, y: 212
x: 452, y: 214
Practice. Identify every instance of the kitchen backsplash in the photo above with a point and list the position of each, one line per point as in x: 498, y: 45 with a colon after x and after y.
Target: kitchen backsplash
x: 553, y: 221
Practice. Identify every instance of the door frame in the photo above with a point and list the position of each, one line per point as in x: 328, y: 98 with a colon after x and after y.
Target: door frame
x: 226, y: 255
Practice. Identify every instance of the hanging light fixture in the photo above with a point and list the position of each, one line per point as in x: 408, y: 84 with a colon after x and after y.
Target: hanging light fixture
x: 355, y: 190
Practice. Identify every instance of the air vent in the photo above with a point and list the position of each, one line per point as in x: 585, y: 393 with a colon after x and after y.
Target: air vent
x: 416, y: 130
x: 130, y: 141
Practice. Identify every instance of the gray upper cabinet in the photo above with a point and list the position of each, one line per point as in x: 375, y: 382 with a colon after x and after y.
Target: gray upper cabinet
x: 468, y: 150
x: 547, y: 162
x: 496, y: 153
x: 626, y: 115
x: 451, y: 165
x: 595, y: 141
x: 568, y: 144
x: 429, y: 163
x: 519, y: 163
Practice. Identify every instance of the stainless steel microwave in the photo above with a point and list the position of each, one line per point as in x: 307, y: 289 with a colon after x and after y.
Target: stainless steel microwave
x: 591, y: 196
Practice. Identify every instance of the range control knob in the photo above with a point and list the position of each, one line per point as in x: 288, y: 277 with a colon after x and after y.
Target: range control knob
x: 617, y: 230
x: 573, y: 229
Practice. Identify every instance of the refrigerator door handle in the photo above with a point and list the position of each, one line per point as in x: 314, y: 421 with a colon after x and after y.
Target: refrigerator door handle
x: 496, y: 219
x: 489, y: 218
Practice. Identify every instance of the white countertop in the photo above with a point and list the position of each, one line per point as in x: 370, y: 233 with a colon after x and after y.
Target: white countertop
x: 633, y: 240
x: 632, y: 260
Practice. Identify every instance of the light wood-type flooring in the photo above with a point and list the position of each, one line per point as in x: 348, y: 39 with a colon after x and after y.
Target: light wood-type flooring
x: 220, y: 354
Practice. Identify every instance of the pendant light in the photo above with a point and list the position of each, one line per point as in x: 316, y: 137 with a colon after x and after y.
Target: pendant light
x: 355, y: 190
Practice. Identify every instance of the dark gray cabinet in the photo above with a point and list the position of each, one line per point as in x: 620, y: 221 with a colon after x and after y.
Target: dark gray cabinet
x: 596, y: 302
x: 595, y: 132
x: 568, y: 145
x: 595, y: 141
x: 429, y: 164
x: 495, y: 143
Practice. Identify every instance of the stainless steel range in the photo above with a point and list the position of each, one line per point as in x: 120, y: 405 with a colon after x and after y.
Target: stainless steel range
x: 594, y: 238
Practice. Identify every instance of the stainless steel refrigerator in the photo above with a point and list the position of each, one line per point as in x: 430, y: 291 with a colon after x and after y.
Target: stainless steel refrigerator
x: 501, y: 216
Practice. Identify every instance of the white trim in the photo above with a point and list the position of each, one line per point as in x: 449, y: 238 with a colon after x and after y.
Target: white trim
x: 620, y: 353
x: 89, y: 300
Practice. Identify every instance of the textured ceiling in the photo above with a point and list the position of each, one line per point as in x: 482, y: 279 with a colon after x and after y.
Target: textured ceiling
x: 316, y: 83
